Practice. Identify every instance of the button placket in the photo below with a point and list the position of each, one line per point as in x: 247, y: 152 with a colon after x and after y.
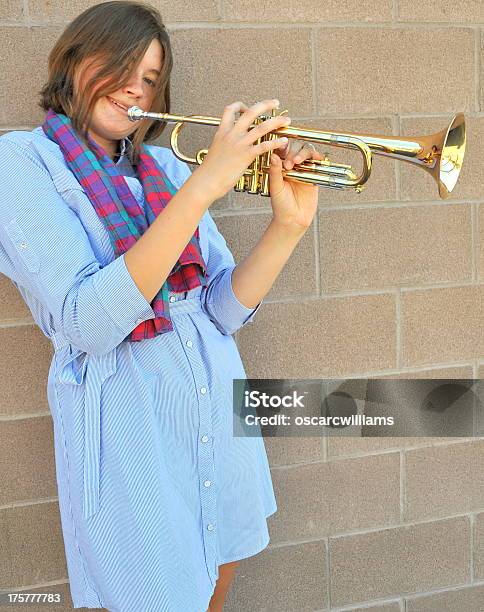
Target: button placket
x: 206, y: 475
x: 206, y: 468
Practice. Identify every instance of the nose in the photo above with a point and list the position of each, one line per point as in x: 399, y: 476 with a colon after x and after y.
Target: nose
x: 134, y: 87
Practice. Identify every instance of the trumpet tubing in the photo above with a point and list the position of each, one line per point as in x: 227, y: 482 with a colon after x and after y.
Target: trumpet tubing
x: 440, y: 154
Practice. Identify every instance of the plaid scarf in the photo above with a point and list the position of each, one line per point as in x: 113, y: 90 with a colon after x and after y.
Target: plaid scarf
x: 123, y: 218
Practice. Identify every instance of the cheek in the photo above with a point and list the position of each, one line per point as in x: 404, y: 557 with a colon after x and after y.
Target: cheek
x: 99, y: 85
x: 150, y: 98
x: 84, y: 78
x: 101, y: 111
x: 98, y: 107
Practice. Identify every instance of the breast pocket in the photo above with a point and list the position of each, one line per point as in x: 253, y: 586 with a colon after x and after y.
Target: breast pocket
x: 24, y: 249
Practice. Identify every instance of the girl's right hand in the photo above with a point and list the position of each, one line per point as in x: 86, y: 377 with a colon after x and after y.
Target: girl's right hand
x: 233, y: 150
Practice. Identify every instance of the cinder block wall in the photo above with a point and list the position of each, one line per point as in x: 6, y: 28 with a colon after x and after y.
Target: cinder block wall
x: 387, y: 283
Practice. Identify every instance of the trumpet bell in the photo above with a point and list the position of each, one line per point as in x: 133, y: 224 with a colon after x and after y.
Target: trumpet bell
x: 453, y: 150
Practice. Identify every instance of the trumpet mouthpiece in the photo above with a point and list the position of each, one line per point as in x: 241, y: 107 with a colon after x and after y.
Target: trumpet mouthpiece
x: 135, y: 113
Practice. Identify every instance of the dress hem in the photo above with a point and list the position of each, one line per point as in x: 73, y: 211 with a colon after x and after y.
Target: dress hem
x: 245, y: 555
x: 255, y: 551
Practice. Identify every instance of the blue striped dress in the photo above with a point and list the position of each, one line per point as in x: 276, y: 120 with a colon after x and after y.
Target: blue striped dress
x: 155, y: 491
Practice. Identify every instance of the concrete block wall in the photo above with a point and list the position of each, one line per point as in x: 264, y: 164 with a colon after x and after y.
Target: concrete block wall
x: 387, y: 283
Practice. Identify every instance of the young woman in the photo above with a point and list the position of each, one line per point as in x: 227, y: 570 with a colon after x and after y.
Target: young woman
x: 110, y: 242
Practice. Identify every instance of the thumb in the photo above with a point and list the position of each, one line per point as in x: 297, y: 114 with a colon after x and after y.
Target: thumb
x: 276, y: 181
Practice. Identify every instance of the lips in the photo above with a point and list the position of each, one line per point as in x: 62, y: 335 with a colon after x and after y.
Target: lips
x: 118, y: 104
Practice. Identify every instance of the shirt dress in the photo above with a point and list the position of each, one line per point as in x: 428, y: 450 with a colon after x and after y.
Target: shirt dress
x: 155, y: 491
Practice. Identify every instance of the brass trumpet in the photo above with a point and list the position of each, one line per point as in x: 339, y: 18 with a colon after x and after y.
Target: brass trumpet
x: 441, y: 154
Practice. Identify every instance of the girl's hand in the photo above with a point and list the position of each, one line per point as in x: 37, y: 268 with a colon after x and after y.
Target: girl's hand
x: 294, y: 204
x: 232, y: 150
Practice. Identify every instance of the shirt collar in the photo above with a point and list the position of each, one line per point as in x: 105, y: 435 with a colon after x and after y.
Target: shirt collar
x: 126, y: 148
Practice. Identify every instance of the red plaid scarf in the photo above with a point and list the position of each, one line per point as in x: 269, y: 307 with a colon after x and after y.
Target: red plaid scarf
x: 123, y: 218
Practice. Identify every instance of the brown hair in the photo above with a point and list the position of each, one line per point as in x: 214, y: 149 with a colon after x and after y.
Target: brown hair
x: 119, y: 33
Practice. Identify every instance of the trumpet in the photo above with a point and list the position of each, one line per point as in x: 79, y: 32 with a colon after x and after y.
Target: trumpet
x: 440, y: 154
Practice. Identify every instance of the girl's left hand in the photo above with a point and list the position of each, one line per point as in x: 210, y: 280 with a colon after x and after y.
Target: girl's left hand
x: 294, y: 204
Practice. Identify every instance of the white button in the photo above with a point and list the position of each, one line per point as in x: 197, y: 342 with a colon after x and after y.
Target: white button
x: 189, y: 343
x: 23, y: 245
x: 210, y: 527
x: 203, y: 390
x: 204, y: 438
x: 172, y: 298
x: 207, y: 483
x: 139, y: 321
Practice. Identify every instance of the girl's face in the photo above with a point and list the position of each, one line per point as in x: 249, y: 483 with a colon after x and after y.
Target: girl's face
x: 109, y: 122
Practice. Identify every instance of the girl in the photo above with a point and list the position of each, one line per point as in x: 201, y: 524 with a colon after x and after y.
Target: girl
x: 110, y: 242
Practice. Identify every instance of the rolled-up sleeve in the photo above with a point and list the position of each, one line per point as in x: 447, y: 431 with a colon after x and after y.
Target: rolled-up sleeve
x: 218, y: 298
x: 94, y: 306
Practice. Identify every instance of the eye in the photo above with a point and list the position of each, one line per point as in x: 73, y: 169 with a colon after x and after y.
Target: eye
x: 150, y: 82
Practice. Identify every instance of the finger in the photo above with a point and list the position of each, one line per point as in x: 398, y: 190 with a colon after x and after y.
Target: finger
x: 318, y: 155
x: 243, y: 110
x: 269, y: 145
x: 294, y: 151
x: 284, y: 151
x: 290, y: 154
x: 229, y: 115
x: 266, y: 127
x: 276, y: 181
x: 250, y: 115
x: 305, y: 153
